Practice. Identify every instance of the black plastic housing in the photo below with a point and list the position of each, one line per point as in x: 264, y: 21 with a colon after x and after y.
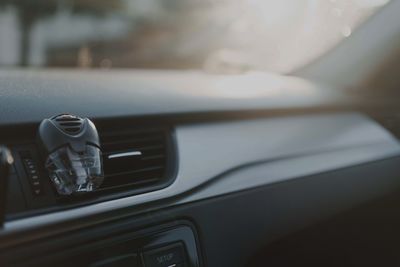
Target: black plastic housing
x: 52, y: 134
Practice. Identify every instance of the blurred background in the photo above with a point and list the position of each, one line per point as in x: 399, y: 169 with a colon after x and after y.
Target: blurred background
x: 214, y: 35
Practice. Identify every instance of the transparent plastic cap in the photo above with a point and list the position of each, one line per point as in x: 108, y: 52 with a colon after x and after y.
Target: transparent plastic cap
x: 73, y: 172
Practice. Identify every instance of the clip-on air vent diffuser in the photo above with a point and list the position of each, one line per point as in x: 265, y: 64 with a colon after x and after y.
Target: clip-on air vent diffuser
x: 71, y: 148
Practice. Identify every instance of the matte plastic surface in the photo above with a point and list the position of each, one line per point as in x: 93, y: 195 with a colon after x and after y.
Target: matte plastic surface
x: 208, y: 151
x: 251, y: 219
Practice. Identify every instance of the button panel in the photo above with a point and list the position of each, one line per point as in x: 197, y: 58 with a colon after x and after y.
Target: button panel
x: 32, y: 174
x: 168, y: 256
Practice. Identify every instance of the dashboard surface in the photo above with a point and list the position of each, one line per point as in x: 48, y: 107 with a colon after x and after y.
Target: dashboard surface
x: 231, y: 148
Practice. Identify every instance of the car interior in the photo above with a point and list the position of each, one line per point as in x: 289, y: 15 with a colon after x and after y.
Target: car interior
x: 187, y: 133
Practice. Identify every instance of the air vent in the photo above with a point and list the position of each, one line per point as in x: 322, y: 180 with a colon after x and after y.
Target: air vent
x: 135, y: 160
x: 68, y: 123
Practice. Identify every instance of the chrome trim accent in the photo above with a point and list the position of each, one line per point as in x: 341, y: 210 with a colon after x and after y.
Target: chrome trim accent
x: 125, y: 154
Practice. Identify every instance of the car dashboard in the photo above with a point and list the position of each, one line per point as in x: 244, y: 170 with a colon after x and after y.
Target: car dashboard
x: 228, y: 166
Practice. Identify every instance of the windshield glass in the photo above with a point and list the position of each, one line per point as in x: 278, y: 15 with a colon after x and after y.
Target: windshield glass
x: 274, y: 35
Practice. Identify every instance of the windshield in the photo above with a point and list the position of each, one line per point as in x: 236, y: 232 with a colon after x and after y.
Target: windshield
x: 274, y: 35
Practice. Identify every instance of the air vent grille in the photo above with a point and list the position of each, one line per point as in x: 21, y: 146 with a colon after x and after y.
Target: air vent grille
x: 134, y: 159
x: 68, y: 123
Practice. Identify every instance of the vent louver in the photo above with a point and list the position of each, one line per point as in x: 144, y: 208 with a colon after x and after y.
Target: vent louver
x: 68, y: 123
x: 133, y: 160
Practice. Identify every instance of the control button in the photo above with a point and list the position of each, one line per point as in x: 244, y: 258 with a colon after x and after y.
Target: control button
x: 37, y: 191
x: 36, y: 187
x: 129, y: 260
x: 168, y: 256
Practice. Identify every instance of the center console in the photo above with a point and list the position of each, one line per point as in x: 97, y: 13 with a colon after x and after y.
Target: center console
x: 169, y: 245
